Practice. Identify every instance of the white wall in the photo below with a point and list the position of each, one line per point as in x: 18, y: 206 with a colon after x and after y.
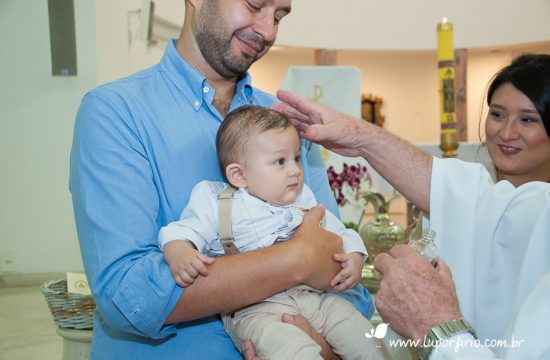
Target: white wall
x: 37, y: 116
x: 411, y: 25
x: 400, y: 24
x: 111, y: 42
x: 407, y: 81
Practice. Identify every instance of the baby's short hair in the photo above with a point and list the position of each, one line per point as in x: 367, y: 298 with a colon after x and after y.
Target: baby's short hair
x: 239, y: 126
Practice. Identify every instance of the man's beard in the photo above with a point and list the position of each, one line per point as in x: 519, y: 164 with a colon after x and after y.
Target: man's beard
x: 214, y: 42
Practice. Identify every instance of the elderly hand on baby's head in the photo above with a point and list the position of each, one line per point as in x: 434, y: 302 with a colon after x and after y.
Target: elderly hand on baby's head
x: 414, y: 296
x: 334, y: 130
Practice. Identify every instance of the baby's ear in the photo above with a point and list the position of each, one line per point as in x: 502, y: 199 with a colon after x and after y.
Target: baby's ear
x: 235, y: 175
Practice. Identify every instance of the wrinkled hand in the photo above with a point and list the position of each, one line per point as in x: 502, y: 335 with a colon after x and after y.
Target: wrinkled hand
x: 299, y: 321
x: 186, y: 263
x: 334, y: 130
x: 316, y: 248
x: 414, y: 296
x: 350, y: 275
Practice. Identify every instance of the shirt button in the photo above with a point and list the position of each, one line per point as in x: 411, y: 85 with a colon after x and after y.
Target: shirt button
x: 206, y: 89
x: 197, y: 103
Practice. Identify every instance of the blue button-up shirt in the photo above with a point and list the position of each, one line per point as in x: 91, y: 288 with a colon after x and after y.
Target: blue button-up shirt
x: 140, y: 145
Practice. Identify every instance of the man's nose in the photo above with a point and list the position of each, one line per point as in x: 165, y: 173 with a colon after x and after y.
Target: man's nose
x: 266, y: 27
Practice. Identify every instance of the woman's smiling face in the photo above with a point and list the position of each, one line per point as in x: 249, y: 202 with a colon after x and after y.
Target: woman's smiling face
x: 516, y: 138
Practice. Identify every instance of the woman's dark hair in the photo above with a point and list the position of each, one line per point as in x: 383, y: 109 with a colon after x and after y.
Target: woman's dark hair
x: 530, y: 74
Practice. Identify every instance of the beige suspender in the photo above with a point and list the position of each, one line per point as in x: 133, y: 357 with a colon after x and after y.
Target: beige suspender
x: 225, y: 200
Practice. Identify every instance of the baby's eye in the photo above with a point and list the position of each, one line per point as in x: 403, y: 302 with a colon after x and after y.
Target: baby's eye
x: 297, y: 158
x: 280, y: 161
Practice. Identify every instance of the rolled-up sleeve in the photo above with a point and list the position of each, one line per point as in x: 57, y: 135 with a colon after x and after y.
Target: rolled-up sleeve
x: 116, y: 210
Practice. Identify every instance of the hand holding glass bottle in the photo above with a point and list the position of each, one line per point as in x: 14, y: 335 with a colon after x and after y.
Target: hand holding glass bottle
x: 426, y: 245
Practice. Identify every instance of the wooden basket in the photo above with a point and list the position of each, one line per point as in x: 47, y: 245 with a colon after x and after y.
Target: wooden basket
x: 73, y: 311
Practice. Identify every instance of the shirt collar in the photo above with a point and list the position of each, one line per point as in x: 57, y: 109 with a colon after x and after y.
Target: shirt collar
x: 244, y: 87
x: 194, y: 85
x: 245, y: 195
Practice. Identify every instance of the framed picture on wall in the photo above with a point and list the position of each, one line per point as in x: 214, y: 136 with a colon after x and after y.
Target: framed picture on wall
x: 371, y: 109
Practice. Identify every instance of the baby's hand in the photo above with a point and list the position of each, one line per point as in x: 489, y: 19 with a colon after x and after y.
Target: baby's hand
x: 350, y: 275
x: 186, y: 263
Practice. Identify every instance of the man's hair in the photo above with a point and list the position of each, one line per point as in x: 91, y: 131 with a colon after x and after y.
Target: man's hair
x: 239, y: 126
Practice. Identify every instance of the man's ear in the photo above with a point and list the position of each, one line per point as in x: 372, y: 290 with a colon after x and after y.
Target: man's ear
x: 235, y: 175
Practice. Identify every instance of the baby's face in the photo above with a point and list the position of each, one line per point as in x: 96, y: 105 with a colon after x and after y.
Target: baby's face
x: 272, y: 166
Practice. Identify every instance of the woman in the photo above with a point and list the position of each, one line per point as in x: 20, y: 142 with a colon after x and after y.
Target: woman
x: 517, y: 128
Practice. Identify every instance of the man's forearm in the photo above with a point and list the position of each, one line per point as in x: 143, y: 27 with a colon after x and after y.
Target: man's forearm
x: 244, y: 279
x: 403, y: 165
x: 237, y: 281
x: 240, y: 280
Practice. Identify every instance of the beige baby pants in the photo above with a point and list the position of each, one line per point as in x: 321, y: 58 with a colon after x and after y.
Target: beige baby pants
x: 333, y: 317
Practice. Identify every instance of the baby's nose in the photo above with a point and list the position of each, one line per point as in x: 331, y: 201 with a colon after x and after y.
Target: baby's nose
x: 295, y: 170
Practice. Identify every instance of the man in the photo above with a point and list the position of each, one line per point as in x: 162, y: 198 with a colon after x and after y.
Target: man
x: 140, y: 145
x: 494, y: 236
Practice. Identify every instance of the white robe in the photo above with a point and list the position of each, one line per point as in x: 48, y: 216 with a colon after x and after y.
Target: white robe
x: 496, y: 240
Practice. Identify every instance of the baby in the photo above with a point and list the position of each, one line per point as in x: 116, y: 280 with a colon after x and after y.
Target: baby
x: 264, y: 203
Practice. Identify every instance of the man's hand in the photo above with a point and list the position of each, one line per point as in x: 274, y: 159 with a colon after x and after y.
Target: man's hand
x: 407, y: 168
x: 316, y: 247
x: 334, y: 130
x: 186, y: 263
x: 350, y: 275
x: 414, y: 296
x: 299, y: 321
